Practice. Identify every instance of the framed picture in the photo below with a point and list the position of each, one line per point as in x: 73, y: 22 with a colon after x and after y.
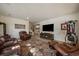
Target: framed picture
x: 19, y: 26
x: 64, y: 26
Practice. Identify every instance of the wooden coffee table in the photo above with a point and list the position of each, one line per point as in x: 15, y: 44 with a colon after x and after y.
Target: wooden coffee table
x: 65, y: 50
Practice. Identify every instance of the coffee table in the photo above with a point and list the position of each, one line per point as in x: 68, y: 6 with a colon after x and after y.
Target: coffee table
x: 63, y: 49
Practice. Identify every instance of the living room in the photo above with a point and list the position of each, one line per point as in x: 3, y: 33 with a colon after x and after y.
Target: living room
x: 38, y: 29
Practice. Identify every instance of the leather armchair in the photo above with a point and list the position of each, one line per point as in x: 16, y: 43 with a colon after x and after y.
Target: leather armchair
x: 24, y: 36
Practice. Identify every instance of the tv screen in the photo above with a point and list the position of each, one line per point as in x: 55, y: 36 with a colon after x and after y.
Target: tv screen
x: 48, y: 27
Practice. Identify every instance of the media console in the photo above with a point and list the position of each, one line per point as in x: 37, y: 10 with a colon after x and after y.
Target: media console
x: 47, y: 36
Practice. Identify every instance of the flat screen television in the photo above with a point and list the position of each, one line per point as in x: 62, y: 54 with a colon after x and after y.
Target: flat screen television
x: 48, y: 27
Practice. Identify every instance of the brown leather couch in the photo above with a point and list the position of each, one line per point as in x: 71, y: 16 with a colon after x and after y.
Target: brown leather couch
x: 24, y: 36
x: 6, y: 44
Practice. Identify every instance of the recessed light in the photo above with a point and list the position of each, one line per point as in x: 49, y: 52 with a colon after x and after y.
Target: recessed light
x: 27, y: 17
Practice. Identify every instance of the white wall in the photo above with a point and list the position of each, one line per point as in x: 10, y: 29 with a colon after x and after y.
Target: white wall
x: 58, y: 33
x: 10, y: 24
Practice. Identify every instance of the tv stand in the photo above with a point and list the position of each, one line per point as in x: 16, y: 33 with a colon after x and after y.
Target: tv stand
x: 47, y: 36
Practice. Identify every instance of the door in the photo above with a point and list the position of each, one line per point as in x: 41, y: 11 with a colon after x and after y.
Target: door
x: 1, y: 30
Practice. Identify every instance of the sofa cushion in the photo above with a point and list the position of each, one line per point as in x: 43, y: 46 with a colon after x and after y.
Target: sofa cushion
x: 2, y: 39
x: 1, y: 43
x: 9, y: 43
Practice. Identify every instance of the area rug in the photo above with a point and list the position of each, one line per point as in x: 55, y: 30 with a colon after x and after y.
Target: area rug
x: 40, y: 47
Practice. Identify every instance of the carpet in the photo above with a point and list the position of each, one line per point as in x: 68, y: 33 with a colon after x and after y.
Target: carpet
x: 40, y: 47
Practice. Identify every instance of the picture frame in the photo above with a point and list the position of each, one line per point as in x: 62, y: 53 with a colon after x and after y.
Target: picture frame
x: 64, y: 26
x: 19, y: 26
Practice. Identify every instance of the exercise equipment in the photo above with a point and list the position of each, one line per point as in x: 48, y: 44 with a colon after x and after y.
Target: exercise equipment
x: 71, y: 34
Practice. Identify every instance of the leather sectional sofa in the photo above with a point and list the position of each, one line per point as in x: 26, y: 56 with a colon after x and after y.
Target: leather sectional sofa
x: 6, y: 45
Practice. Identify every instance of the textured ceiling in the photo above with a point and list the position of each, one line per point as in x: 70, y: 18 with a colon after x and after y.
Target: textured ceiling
x: 37, y: 11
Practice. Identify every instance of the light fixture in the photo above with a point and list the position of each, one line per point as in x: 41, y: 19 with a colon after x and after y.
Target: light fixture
x: 27, y: 17
x: 37, y: 26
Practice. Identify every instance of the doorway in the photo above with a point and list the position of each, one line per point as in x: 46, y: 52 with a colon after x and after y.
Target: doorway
x: 2, y: 29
